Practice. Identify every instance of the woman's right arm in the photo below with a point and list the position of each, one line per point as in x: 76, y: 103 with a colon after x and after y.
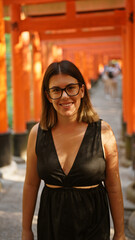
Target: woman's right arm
x: 31, y: 186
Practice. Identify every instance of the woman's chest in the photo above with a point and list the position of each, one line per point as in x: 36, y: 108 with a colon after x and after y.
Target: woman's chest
x: 67, y: 150
x: 76, y: 160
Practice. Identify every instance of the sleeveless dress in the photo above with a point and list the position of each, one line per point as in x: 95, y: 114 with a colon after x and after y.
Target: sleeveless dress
x: 69, y: 213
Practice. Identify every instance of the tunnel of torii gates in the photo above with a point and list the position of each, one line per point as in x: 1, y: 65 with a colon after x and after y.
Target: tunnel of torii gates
x: 116, y: 31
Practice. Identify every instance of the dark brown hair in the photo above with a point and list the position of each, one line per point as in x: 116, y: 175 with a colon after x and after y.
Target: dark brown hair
x: 86, y: 112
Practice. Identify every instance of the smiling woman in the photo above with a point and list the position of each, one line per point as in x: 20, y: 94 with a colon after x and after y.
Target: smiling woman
x: 65, y: 73
x: 75, y: 154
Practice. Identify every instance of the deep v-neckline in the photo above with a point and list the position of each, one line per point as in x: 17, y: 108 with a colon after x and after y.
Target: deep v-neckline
x: 57, y: 157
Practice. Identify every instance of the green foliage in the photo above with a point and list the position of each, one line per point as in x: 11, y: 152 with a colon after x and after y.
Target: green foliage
x: 9, y: 83
x: 10, y: 107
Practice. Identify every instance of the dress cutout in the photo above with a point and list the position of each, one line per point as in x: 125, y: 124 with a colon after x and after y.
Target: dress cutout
x: 69, y: 213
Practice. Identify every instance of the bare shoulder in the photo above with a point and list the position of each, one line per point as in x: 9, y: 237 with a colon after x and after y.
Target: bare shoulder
x: 34, y: 130
x: 106, y: 132
x: 33, y: 134
x: 105, y: 127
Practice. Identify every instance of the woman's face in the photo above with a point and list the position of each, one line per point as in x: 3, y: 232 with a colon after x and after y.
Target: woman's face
x: 66, y: 106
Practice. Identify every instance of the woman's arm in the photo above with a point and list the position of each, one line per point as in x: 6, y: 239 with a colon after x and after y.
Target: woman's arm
x: 112, y: 181
x: 31, y: 186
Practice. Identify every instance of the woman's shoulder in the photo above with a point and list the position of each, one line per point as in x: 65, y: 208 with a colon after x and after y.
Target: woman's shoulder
x: 105, y: 126
x: 106, y: 131
x: 34, y: 130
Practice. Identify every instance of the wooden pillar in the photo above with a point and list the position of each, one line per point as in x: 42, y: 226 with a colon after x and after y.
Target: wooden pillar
x: 129, y: 85
x: 3, y: 80
x: 26, y: 74
x: 19, y: 126
x: 134, y: 68
x: 95, y: 67
x: 91, y: 61
x: 56, y: 53
x: 100, y: 64
x: 84, y: 67
x: 105, y: 59
x: 44, y: 55
x: 37, y: 76
x: 124, y: 84
x: 133, y: 139
x: 81, y: 61
x: 17, y: 81
x: 5, y: 141
x: 129, y: 40
x: 130, y: 141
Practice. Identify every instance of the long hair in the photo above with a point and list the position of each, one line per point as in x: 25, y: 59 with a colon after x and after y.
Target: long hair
x: 86, y: 113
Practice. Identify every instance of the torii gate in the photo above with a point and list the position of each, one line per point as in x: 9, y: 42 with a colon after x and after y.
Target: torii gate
x: 110, y: 23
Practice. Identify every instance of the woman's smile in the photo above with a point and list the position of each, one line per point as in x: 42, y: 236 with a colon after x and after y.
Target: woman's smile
x: 66, y: 105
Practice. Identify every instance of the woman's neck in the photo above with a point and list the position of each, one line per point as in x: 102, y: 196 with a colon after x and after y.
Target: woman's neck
x: 67, y: 122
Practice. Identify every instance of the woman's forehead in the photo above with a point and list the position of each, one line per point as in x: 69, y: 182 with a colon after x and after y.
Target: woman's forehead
x: 61, y: 80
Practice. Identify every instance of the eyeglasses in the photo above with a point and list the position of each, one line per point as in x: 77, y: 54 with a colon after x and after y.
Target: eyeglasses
x: 71, y: 90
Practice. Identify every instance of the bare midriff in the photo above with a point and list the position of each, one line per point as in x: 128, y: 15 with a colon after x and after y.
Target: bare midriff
x: 80, y: 187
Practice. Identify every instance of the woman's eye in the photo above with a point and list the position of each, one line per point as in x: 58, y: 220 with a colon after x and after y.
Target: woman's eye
x: 55, y: 90
x: 71, y: 87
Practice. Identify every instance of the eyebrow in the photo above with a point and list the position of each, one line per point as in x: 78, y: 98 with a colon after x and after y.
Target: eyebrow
x: 65, y: 86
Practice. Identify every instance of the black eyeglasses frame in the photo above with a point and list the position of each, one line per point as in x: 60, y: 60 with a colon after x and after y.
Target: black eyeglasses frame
x: 64, y: 89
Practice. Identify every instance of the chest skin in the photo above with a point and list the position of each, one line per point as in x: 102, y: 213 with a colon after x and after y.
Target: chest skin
x: 67, y: 144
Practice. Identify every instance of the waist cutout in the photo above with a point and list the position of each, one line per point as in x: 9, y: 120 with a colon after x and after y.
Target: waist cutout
x: 78, y: 187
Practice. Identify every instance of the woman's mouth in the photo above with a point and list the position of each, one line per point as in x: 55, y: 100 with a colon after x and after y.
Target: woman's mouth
x: 66, y: 105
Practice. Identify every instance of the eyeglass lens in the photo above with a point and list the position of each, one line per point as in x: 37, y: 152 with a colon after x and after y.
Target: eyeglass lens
x: 71, y: 90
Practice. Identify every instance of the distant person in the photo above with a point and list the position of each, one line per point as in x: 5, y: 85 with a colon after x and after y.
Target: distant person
x: 106, y: 81
x: 110, y: 79
x: 113, y: 72
x: 75, y: 154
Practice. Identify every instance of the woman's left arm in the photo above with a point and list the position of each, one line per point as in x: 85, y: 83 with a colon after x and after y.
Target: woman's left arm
x: 112, y: 181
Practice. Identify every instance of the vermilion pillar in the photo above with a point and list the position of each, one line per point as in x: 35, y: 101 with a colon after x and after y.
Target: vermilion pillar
x: 26, y: 74
x: 44, y: 55
x: 124, y: 83
x: 5, y: 143
x: 18, y: 84
x: 27, y: 79
x: 124, y: 79
x: 17, y: 80
x: 3, y: 83
x: 133, y: 142
x: 129, y: 77
x: 134, y: 68
x: 95, y: 63
x: 129, y: 62
x: 130, y: 140
x: 37, y: 76
x: 105, y: 59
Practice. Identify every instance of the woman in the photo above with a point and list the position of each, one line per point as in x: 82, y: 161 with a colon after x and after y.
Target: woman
x: 74, y: 152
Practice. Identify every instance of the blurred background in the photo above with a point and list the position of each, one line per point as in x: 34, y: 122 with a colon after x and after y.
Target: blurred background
x: 98, y: 36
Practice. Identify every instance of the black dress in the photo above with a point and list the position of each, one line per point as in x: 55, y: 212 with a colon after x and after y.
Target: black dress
x: 69, y: 213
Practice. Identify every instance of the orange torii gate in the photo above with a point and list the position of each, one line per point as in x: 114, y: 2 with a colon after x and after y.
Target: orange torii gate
x: 91, y: 51
x: 5, y: 140
x: 95, y: 24
x: 128, y: 36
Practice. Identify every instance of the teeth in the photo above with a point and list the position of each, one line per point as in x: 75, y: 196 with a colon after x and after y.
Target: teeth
x: 66, y: 104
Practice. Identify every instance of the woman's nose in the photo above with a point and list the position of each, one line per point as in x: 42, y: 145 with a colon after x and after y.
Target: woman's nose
x: 64, y: 94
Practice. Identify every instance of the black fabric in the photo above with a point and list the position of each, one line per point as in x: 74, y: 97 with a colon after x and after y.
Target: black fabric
x: 68, y: 213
